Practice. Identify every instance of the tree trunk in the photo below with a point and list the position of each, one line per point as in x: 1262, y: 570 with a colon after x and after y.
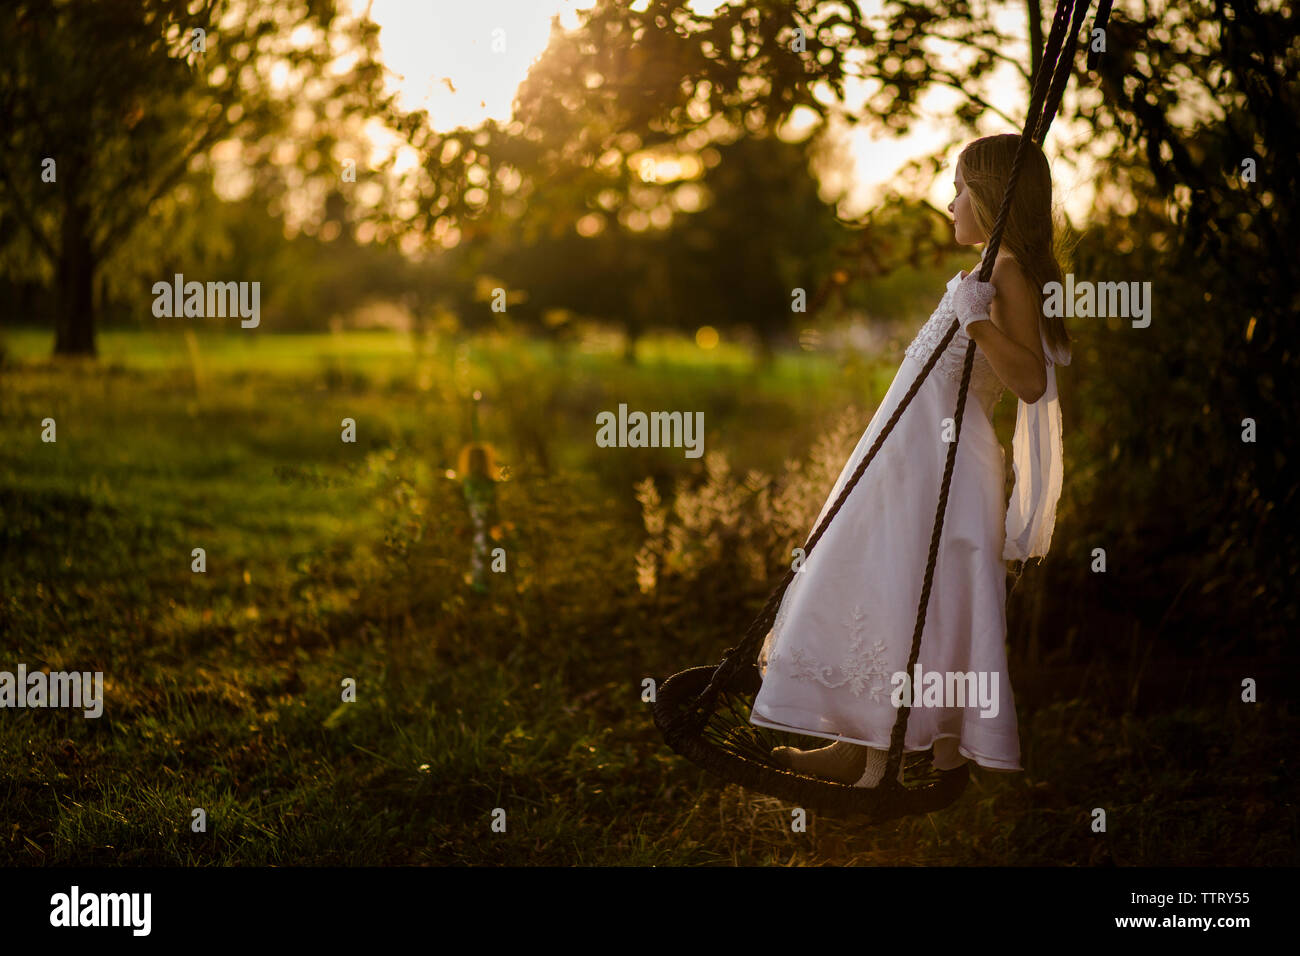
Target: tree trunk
x: 1035, y: 11
x: 74, y: 323
x: 765, y: 351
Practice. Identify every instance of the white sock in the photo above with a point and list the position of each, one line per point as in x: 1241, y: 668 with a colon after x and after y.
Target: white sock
x: 875, y: 770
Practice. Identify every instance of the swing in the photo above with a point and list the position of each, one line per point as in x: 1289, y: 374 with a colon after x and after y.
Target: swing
x: 702, y: 711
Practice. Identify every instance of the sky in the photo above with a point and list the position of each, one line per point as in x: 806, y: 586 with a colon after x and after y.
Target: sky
x: 461, y: 60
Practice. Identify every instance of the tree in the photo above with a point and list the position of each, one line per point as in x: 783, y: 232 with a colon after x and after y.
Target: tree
x: 1209, y: 120
x: 107, y: 106
x: 628, y: 84
x: 630, y: 91
x: 764, y: 233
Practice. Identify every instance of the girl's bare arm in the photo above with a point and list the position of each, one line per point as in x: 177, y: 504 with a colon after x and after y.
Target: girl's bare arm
x: 1010, y: 340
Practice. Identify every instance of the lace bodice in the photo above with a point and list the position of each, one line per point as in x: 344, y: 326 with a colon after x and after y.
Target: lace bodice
x: 984, y: 383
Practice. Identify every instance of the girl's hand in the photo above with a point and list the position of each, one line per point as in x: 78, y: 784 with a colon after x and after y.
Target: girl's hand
x: 971, y: 300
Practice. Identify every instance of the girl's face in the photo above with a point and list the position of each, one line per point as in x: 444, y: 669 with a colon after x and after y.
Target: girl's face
x: 963, y: 219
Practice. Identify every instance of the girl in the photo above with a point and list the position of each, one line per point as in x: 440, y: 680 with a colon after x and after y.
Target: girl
x: 844, y: 628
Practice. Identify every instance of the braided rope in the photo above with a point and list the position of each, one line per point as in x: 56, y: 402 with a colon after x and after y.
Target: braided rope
x: 733, y: 658
x: 1058, y: 67
x: 1050, y: 66
x: 1061, y: 74
x: 692, y: 717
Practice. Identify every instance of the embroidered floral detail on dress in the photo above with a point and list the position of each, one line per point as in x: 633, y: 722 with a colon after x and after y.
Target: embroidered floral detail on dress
x: 984, y: 381
x: 864, y: 669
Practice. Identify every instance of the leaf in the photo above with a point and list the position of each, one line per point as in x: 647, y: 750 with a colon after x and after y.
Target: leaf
x: 336, y: 718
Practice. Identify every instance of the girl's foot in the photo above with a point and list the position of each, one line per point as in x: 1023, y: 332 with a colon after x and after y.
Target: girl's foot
x: 842, y: 762
x: 874, y: 770
x: 946, y: 754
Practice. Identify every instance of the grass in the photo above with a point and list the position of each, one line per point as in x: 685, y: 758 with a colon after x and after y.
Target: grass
x: 328, y: 561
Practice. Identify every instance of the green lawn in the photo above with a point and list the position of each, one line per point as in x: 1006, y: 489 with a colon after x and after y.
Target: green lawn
x: 328, y: 561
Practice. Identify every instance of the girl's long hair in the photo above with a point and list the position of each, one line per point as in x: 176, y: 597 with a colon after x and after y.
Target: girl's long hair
x: 1029, y: 234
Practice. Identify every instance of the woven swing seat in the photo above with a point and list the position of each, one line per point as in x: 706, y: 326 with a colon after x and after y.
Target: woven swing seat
x: 703, y: 712
x: 739, y: 752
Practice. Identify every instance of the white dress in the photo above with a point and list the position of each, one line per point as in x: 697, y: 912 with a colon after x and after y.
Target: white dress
x: 845, y: 624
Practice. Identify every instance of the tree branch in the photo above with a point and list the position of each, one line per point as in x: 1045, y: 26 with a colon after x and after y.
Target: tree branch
x: 1035, y: 15
x: 1019, y: 67
x: 27, y: 219
x: 117, y: 232
x: 947, y: 79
